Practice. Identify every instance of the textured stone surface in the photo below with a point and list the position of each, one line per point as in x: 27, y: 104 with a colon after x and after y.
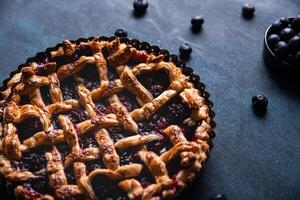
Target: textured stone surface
x: 253, y: 158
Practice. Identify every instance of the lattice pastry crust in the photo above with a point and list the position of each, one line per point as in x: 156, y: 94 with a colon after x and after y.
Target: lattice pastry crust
x: 30, y: 79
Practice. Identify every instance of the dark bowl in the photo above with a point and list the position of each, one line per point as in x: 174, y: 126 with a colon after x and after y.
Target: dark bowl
x: 274, y: 63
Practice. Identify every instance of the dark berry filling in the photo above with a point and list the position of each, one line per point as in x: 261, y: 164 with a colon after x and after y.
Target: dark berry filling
x: 64, y: 149
x: 69, y: 89
x: 176, y: 110
x: 128, y: 100
x: 40, y: 184
x: 81, y: 50
x: 146, y: 178
x: 118, y: 133
x: 45, y: 93
x: 55, y: 122
x: 112, y: 74
x: 70, y: 175
x: 24, y: 100
x: 189, y: 131
x: 94, y: 164
x: 90, y: 76
x: 159, y: 146
x: 156, y: 124
x: 33, y: 160
x: 173, y: 166
x: 107, y: 189
x: 88, y: 140
x: 78, y: 115
x: 173, y: 112
x: 103, y: 107
x: 29, y: 127
x: 155, y: 82
x: 129, y: 155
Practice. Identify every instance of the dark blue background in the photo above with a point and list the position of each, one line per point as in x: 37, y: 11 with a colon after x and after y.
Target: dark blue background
x: 253, y: 158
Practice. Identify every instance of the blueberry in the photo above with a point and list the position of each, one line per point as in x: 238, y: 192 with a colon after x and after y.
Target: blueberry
x: 140, y: 6
x: 276, y: 27
x: 185, y: 50
x: 197, y: 21
x: 286, y: 34
x: 284, y: 21
x: 219, y: 197
x: 260, y: 102
x: 294, y: 44
x: 273, y: 40
x: 296, y: 23
x: 281, y: 49
x: 121, y: 33
x: 248, y: 10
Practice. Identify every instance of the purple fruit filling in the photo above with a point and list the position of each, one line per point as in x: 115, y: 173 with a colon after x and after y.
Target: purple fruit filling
x: 64, y: 149
x: 45, y: 93
x: 70, y: 176
x: 33, y: 160
x: 94, y: 164
x: 128, y: 100
x: 129, y: 155
x: 155, y: 82
x: 103, y: 107
x: 146, y: 178
x: 112, y: 73
x: 173, y: 166
x: 29, y: 127
x: 24, y: 100
x: 77, y: 115
x: 88, y: 140
x: 81, y: 50
x: 90, y: 77
x: 40, y: 184
x: 107, y: 189
x: 159, y: 146
x: 173, y: 112
x: 55, y: 122
x: 69, y: 88
x: 118, y: 133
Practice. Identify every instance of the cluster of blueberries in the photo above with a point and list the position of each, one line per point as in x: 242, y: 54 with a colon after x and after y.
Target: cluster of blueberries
x: 284, y: 39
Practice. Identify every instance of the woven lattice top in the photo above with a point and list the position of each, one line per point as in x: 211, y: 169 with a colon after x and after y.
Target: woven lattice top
x: 189, y: 146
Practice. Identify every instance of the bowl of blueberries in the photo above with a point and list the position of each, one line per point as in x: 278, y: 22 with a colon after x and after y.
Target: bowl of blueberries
x: 282, y: 46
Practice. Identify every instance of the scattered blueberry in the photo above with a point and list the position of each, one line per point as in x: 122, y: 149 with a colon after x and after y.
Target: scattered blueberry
x: 276, y: 27
x: 121, y: 33
x: 296, y: 23
x: 287, y: 33
x: 273, y: 40
x: 284, y: 21
x: 140, y: 6
x: 219, y: 197
x: 259, y: 103
x: 197, y: 21
x: 281, y: 49
x: 185, y: 50
x: 294, y: 44
x: 248, y: 10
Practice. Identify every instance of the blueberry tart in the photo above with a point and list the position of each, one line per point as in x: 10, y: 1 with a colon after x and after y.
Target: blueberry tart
x: 103, y: 118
